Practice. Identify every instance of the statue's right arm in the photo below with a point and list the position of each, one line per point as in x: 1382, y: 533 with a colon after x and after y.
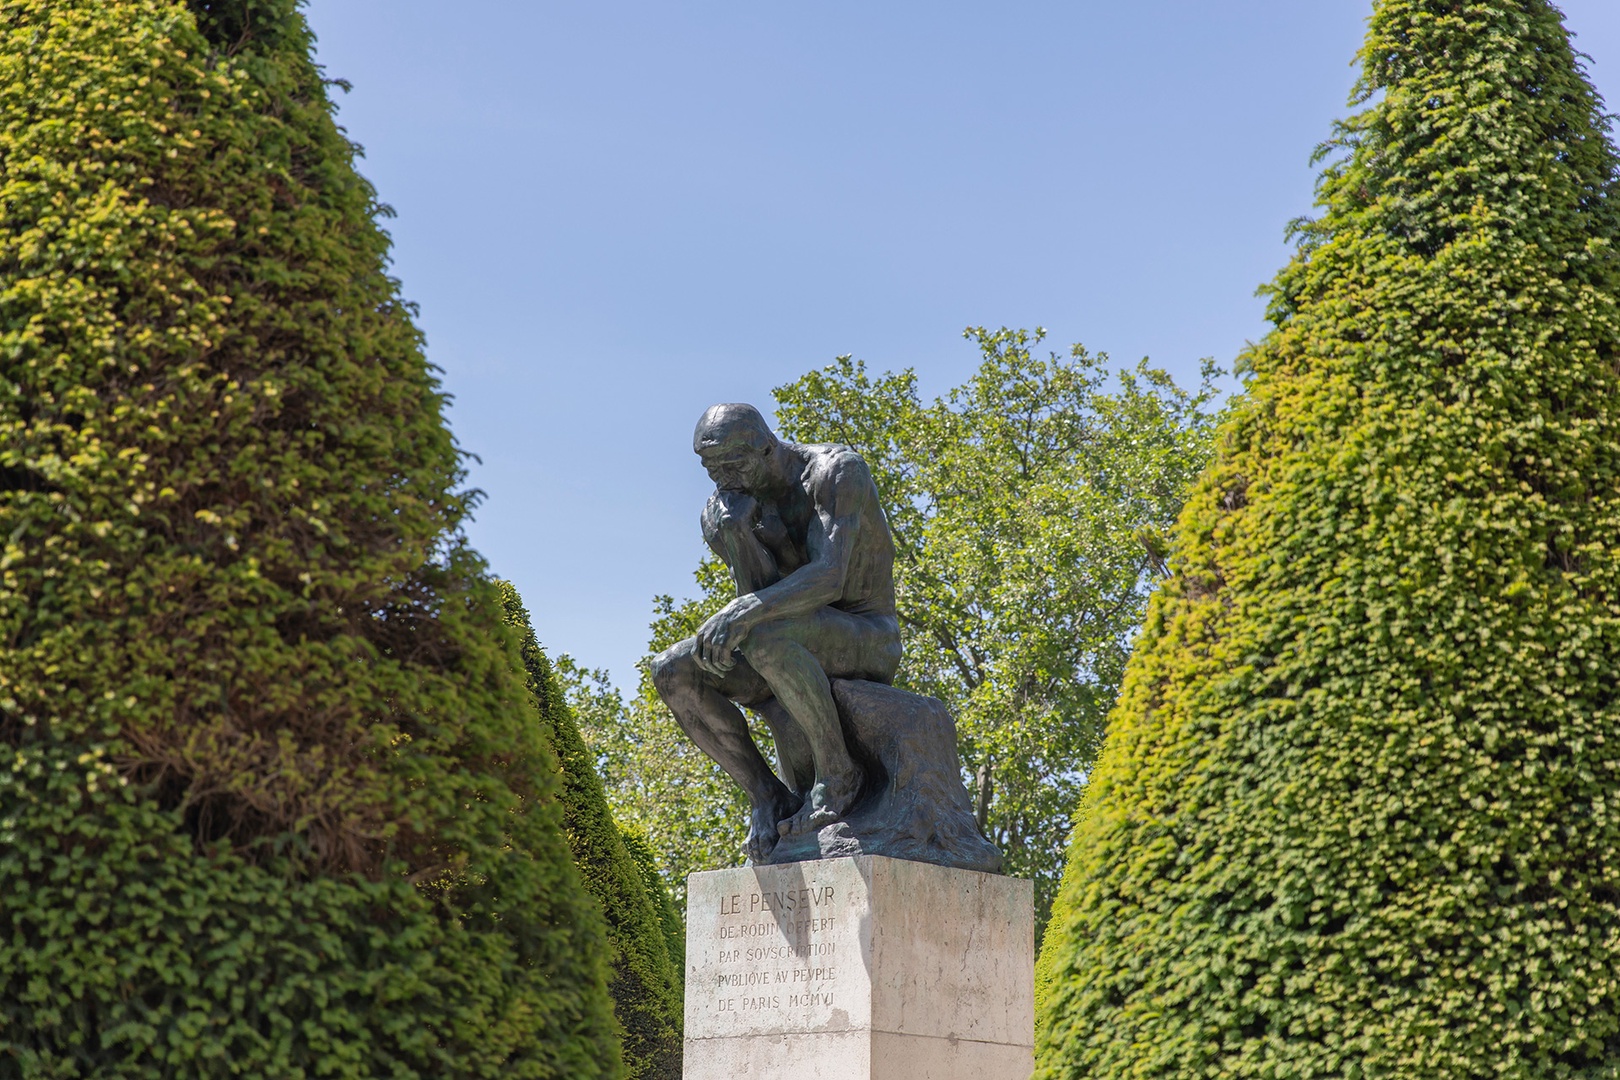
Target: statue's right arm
x: 728, y: 522
x: 841, y: 496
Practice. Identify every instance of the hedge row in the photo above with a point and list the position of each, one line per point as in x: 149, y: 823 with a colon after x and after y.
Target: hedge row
x: 646, y: 990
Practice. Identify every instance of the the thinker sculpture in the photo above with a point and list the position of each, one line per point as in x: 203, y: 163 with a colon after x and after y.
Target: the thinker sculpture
x: 810, y: 643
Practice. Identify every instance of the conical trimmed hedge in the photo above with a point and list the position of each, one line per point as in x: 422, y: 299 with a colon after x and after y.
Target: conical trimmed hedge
x: 646, y: 990
x: 1356, y: 813
x: 663, y: 901
x: 273, y: 801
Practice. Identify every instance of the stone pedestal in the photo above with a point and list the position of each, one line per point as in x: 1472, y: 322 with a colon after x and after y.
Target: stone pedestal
x: 864, y: 968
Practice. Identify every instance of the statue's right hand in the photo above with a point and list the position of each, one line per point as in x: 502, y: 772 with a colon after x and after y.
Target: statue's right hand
x: 728, y: 510
x: 722, y: 633
x: 713, y: 659
x: 716, y: 667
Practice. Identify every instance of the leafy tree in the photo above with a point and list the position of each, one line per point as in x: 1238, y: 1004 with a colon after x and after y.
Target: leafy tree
x: 1355, y: 815
x: 1025, y: 506
x: 646, y: 992
x: 274, y: 800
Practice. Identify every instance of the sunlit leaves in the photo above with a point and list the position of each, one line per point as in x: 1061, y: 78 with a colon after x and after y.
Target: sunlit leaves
x: 1016, y: 503
x: 232, y: 573
x: 1354, y: 812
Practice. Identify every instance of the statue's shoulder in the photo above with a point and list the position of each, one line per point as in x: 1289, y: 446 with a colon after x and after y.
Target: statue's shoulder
x: 834, y: 464
x: 832, y: 457
x: 826, y: 451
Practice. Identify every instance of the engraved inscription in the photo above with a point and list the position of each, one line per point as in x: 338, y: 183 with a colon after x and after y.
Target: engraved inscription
x: 775, y: 953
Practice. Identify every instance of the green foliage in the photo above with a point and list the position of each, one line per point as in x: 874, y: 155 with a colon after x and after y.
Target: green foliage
x: 272, y: 799
x: 646, y: 992
x: 669, y: 916
x: 658, y: 783
x: 1023, y: 506
x: 1356, y: 811
x: 129, y: 955
x: 1020, y: 504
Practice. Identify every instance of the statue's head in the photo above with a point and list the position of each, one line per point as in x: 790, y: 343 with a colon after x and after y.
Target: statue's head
x: 736, y: 446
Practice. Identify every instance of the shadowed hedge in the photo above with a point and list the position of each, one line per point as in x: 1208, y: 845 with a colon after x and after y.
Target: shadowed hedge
x: 646, y: 989
x: 669, y: 916
x: 273, y: 801
x: 1356, y: 813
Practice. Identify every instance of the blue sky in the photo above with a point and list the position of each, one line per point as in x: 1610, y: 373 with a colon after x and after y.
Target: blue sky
x: 614, y: 214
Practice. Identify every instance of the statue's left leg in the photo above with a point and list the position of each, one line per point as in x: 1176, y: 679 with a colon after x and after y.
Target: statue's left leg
x: 795, y: 764
x: 795, y: 657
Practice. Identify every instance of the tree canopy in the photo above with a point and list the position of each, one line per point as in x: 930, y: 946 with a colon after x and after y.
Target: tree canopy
x: 1026, y: 507
x: 1354, y: 816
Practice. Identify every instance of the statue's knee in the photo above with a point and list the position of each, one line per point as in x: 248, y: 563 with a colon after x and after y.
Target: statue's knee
x: 765, y: 643
x: 889, y: 654
x: 670, y: 669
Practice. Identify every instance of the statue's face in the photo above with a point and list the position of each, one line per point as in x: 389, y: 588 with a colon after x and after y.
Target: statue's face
x: 738, y: 467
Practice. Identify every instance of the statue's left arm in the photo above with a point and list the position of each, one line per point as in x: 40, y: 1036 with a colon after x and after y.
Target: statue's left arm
x: 842, y: 495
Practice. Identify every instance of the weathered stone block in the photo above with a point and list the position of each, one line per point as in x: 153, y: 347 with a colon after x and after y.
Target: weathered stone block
x: 914, y: 805
x: 864, y: 968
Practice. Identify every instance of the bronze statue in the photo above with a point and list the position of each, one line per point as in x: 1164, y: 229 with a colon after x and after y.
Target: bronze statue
x: 810, y: 643
x: 807, y: 543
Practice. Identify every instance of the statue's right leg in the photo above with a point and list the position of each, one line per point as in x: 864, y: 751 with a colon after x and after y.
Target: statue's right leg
x: 702, y: 704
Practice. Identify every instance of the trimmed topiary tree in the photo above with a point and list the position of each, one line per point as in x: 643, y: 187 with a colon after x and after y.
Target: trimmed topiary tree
x: 646, y: 991
x: 273, y: 801
x: 1357, y: 810
x: 663, y: 900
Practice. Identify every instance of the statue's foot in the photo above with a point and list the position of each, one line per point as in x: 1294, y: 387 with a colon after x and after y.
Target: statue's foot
x: 763, y: 826
x: 829, y: 801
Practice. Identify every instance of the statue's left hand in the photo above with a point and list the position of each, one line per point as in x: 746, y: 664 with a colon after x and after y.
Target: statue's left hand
x: 723, y: 633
